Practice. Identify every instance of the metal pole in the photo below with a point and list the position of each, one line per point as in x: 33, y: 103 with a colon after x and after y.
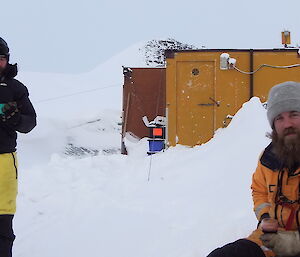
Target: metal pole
x: 150, y: 166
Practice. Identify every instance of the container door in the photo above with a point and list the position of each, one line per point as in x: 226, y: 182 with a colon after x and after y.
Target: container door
x: 195, y: 102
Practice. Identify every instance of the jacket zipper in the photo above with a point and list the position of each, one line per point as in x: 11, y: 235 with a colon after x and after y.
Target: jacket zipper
x: 14, y: 158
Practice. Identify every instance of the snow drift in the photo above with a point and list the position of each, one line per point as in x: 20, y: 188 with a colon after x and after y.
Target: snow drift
x: 183, y: 202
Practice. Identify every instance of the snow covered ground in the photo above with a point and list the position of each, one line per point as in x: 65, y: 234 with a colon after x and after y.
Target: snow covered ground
x: 102, y: 203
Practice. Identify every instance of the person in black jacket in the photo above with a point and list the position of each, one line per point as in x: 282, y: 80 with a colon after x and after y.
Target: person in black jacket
x: 16, y: 115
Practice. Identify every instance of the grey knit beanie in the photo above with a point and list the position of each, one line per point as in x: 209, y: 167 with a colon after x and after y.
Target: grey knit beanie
x: 283, y: 97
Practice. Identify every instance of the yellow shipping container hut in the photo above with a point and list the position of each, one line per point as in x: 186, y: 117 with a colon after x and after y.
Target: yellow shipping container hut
x: 202, y: 94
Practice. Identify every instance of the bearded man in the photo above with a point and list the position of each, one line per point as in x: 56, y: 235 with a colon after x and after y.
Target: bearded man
x: 275, y: 183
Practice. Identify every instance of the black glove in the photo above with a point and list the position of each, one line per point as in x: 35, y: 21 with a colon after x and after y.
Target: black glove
x: 282, y: 243
x: 10, y: 114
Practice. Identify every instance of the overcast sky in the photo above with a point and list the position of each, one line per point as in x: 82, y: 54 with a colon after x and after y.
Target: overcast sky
x: 72, y: 36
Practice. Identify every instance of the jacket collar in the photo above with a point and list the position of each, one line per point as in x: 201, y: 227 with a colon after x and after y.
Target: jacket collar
x: 9, y: 72
x: 270, y: 160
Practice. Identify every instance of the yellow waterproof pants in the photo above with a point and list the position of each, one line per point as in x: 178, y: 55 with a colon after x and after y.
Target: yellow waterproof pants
x: 8, y: 183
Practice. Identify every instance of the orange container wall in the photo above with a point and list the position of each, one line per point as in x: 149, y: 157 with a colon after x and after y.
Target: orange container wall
x: 190, y: 83
x: 200, y: 96
x: 267, y: 77
x: 232, y: 88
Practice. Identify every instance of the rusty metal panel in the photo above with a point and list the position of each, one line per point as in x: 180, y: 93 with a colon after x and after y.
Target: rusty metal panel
x: 144, y: 93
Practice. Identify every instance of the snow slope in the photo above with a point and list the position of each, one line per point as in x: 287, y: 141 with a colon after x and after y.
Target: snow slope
x: 183, y: 202
x: 68, y: 96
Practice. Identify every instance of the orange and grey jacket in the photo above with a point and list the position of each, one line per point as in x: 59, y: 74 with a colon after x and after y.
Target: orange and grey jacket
x: 275, y: 192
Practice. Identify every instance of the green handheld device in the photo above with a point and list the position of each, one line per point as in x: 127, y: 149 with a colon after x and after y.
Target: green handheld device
x: 1, y: 109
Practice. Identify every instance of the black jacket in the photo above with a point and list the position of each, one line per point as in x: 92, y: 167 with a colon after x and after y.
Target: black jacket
x: 12, y: 90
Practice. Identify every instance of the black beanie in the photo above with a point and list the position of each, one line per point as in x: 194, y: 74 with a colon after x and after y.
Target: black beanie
x: 4, y: 50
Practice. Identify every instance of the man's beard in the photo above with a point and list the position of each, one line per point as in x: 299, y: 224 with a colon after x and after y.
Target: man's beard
x: 287, y: 149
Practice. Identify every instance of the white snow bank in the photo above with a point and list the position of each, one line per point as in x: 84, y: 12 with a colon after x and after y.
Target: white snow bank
x: 196, y: 199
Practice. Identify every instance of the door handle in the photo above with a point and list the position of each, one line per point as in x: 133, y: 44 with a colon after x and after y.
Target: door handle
x: 209, y: 104
x: 217, y: 103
